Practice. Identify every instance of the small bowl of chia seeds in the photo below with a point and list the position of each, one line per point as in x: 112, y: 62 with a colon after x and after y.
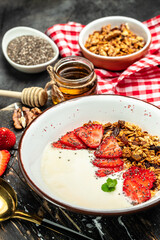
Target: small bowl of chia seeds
x: 29, y: 50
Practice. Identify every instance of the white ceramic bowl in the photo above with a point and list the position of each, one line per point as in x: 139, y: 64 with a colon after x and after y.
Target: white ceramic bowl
x: 114, y: 63
x: 19, y: 31
x: 66, y: 116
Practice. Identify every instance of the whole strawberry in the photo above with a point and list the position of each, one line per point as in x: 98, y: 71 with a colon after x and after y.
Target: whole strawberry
x: 7, y: 138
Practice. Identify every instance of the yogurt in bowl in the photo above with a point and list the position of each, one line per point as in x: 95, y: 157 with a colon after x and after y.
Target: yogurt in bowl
x: 70, y: 175
x: 75, y: 166
x: 35, y: 148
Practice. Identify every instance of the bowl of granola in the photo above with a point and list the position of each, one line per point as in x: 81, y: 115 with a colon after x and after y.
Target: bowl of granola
x: 114, y: 42
x: 101, y: 162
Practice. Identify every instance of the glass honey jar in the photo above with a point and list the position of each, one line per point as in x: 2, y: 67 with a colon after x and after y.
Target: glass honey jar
x: 75, y: 77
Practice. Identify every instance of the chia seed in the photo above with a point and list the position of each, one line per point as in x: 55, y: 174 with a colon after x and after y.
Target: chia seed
x: 30, y: 50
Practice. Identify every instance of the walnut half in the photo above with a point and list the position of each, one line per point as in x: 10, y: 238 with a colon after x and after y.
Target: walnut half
x: 22, y: 118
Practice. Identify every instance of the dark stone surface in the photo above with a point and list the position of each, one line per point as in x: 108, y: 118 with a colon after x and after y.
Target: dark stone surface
x: 41, y: 14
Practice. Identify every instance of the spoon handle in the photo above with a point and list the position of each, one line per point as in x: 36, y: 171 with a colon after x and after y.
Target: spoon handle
x: 64, y: 230
x: 50, y: 225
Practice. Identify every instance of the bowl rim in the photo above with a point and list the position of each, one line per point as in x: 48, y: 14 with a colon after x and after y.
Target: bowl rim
x: 79, y: 209
x: 41, y: 34
x: 144, y: 27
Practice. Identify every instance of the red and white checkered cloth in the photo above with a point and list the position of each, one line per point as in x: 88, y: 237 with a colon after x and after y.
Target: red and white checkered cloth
x: 140, y: 80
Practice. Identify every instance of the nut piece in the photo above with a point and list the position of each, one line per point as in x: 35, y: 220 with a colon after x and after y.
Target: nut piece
x: 36, y: 112
x: 118, y: 41
x: 22, y: 118
x: 30, y: 114
x: 16, y: 118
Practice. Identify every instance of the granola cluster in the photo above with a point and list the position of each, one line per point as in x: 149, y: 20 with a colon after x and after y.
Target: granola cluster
x: 139, y: 147
x: 112, y: 42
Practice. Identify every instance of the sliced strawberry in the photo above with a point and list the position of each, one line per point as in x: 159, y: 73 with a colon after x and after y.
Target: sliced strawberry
x: 70, y: 139
x: 109, y: 148
x: 4, y: 159
x: 137, y: 192
x: 141, y: 175
x: 91, y: 134
x: 132, y: 171
x: 149, y: 174
x: 145, y: 181
x: 102, y: 172
x: 107, y: 162
x: 60, y: 145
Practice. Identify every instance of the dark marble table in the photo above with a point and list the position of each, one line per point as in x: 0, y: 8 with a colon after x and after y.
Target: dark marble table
x: 42, y: 14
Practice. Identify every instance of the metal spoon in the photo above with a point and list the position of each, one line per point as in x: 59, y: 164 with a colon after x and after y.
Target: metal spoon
x: 8, y: 209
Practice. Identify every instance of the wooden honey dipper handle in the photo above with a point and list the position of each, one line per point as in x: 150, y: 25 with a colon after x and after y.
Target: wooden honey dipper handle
x: 7, y: 93
x: 33, y: 97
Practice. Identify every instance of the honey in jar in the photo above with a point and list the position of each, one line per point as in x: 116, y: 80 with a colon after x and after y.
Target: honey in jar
x: 75, y: 77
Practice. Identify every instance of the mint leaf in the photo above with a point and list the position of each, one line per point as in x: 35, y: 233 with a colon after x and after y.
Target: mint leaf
x: 109, y: 186
x: 105, y: 187
x: 111, y: 182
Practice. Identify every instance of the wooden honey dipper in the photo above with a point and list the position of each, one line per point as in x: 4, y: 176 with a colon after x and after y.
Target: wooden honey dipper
x: 33, y: 96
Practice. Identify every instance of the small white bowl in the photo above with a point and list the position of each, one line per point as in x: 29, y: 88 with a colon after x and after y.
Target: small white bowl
x: 114, y: 63
x: 66, y: 116
x: 20, y: 31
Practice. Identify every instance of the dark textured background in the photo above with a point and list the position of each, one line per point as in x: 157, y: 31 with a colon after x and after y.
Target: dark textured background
x: 41, y: 14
